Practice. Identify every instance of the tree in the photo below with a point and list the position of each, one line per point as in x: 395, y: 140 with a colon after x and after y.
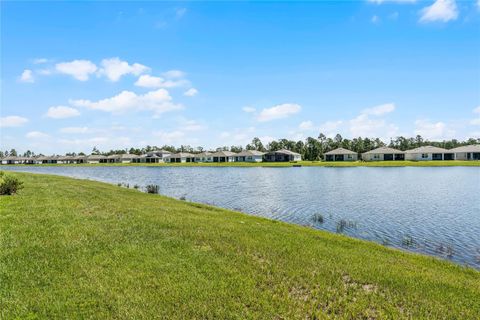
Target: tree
x: 95, y: 151
x: 257, y: 144
x: 13, y: 153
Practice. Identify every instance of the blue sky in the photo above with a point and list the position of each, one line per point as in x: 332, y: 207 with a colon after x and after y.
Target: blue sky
x: 114, y: 75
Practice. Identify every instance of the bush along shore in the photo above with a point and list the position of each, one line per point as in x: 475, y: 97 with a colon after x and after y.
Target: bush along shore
x: 82, y: 249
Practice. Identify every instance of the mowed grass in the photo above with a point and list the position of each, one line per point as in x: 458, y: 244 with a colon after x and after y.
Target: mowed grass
x: 77, y: 249
x: 407, y: 163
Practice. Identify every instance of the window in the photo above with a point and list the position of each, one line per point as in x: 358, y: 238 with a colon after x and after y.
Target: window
x: 349, y: 156
x: 424, y: 155
x: 376, y: 156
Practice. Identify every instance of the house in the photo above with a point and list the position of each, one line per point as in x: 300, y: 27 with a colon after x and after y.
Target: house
x: 383, y: 154
x: 79, y: 159
x: 341, y: 154
x: 428, y: 153
x: 154, y: 156
x: 223, y: 156
x: 113, y: 158
x: 180, y: 157
x: 12, y: 160
x: 249, y: 156
x: 97, y: 158
x: 127, y: 158
x: 65, y: 159
x: 46, y: 159
x: 282, y: 155
x: 204, y: 157
x: 471, y: 152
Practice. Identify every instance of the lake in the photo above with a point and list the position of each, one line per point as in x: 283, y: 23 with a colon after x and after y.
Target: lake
x: 431, y: 210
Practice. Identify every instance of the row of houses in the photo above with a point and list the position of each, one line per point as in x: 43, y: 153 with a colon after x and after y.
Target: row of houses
x: 426, y: 153
x: 162, y: 156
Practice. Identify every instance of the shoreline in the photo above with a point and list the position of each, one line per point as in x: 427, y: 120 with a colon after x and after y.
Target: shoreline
x: 403, y: 163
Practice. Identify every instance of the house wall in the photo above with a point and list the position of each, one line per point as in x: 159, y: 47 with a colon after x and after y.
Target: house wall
x: 418, y: 157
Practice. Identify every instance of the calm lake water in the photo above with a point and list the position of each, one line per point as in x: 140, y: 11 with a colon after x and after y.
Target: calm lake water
x: 429, y: 210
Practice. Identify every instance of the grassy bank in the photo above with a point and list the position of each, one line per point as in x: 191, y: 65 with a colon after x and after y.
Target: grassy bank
x: 291, y: 164
x: 82, y: 249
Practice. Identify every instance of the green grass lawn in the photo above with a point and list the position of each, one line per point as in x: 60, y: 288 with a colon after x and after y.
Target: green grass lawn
x: 77, y: 249
x: 456, y: 163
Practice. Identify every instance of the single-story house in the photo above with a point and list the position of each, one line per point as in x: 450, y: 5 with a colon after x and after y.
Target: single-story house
x: 249, y: 156
x: 97, y: 158
x: 127, y: 158
x: 341, y: 154
x: 383, y: 154
x: 471, y: 152
x: 282, y: 155
x: 12, y: 160
x: 223, y: 156
x: 204, y: 157
x: 79, y: 159
x: 154, y: 156
x: 180, y: 157
x: 428, y: 153
x: 46, y: 159
x: 65, y: 159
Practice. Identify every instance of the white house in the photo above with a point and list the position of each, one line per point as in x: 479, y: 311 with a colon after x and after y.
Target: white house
x: 341, y: 154
x: 204, y: 157
x: 428, y: 153
x: 97, y: 158
x: 249, y: 156
x: 471, y: 152
x: 223, y: 156
x: 282, y: 155
x: 383, y: 154
x: 180, y: 157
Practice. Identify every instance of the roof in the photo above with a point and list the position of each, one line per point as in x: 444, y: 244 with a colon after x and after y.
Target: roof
x: 428, y: 149
x: 114, y: 156
x: 285, y: 151
x: 181, y: 155
x: 224, y: 154
x: 340, y: 151
x: 469, y: 148
x: 65, y: 158
x: 203, y: 154
x: 96, y: 157
x: 158, y: 151
x: 383, y: 150
x: 128, y: 156
x: 247, y: 153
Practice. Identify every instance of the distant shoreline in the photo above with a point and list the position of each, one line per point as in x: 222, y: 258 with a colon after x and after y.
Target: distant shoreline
x: 403, y: 163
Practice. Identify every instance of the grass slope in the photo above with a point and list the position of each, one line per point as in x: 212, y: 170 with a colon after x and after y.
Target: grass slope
x: 82, y: 249
x: 407, y: 163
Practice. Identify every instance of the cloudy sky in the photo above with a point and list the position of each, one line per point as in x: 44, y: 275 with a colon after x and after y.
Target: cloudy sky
x: 115, y: 75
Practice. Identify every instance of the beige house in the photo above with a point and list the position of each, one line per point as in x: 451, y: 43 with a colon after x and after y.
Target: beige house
x: 471, y: 152
x: 180, y: 157
x: 282, y: 155
x: 429, y: 153
x: 249, y: 156
x: 223, y: 156
x: 383, y: 154
x: 97, y: 158
x: 204, y: 157
x: 341, y: 154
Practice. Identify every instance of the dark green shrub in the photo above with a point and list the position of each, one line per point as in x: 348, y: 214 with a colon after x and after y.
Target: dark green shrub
x: 9, y: 185
x: 152, y: 188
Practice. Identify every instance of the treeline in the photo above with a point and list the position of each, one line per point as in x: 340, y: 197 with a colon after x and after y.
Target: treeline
x: 310, y: 149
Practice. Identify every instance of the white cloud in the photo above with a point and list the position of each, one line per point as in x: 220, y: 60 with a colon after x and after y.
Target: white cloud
x: 477, y: 109
x: 62, y: 112
x: 375, y: 19
x: 192, y: 125
x: 397, y: 1
x: 440, y: 10
x: 12, y: 121
x: 148, y: 81
x: 89, y: 142
x: 158, y: 101
x: 379, y: 110
x: 363, y: 125
x: 431, y: 131
x: 79, y: 69
x: 40, y: 61
x: 75, y: 130
x: 174, y: 74
x: 36, y: 135
x: 476, y: 122
x: 190, y: 92
x: 249, y: 109
x: 172, y: 137
x: 278, y: 112
x: 330, y: 128
x: 114, y: 68
x: 27, y: 76
x: 306, y: 125
x: 180, y: 12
